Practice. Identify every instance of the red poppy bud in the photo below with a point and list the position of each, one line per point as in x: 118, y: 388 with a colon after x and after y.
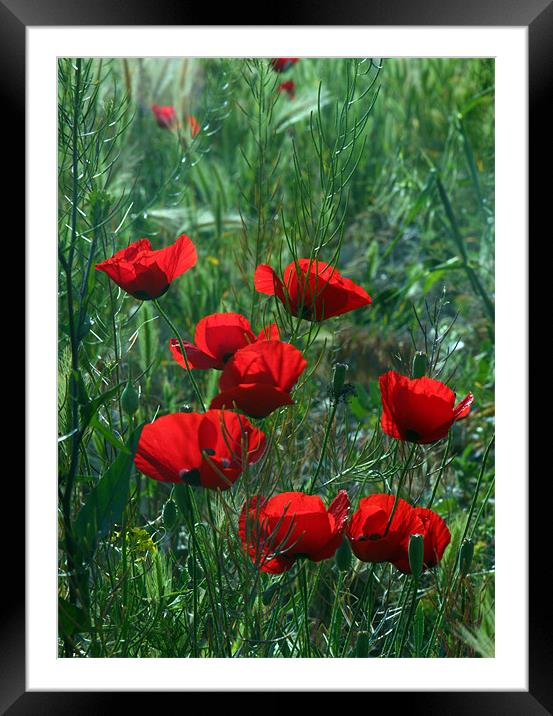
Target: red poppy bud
x: 289, y: 87
x: 291, y: 525
x: 311, y: 289
x: 194, y: 125
x: 420, y: 410
x: 166, y: 116
x: 258, y: 379
x: 281, y: 64
x: 201, y: 449
x: 146, y: 273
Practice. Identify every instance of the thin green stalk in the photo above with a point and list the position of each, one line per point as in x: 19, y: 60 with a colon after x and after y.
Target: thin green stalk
x: 410, y: 615
x: 218, y: 563
x: 188, y: 370
x: 453, y: 583
x: 399, y: 486
x: 367, y: 588
x: 305, y: 600
x: 73, y: 580
x: 477, y: 490
x: 323, y: 448
x: 441, y: 470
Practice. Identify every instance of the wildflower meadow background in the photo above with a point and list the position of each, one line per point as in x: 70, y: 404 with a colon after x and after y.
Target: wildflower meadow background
x: 276, y: 357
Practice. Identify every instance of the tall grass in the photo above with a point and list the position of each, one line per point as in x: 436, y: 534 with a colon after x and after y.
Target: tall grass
x: 383, y: 168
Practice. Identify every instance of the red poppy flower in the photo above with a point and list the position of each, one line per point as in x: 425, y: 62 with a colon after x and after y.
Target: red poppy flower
x: 201, y: 449
x: 370, y: 541
x: 289, y: 87
x: 436, y: 538
x: 217, y: 338
x: 420, y: 410
x: 281, y: 64
x: 147, y: 274
x: 291, y: 525
x: 312, y: 289
x: 258, y: 378
x: 166, y: 117
x: 194, y: 125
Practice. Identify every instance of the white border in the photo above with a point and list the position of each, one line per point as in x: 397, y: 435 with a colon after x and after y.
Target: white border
x: 508, y: 671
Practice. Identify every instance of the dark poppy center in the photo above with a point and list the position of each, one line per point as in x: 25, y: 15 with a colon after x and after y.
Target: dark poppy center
x: 227, y: 357
x: 372, y: 538
x: 145, y: 296
x: 306, y: 312
x: 191, y: 477
x: 412, y: 435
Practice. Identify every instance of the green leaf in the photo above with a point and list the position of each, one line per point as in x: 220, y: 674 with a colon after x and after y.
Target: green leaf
x: 109, y: 435
x: 91, y: 407
x: 182, y: 498
x: 106, y: 501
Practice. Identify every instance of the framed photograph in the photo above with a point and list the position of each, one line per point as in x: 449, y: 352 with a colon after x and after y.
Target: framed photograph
x: 278, y: 341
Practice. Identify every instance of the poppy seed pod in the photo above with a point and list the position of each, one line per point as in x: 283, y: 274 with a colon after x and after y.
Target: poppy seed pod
x: 362, y: 645
x: 416, y: 554
x: 339, y: 379
x: 466, y: 554
x: 420, y: 365
x: 343, y: 556
x: 129, y: 399
x: 169, y: 515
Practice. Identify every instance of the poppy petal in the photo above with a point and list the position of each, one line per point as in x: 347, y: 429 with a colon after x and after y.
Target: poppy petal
x: 264, y: 279
x: 270, y: 362
x: 222, y: 334
x: 174, y: 260
x: 463, y: 408
x: 195, y: 357
x: 269, y: 333
x: 165, y: 451
x: 255, y: 399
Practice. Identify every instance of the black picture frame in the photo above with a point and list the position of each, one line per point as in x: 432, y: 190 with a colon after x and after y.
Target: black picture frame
x: 537, y: 15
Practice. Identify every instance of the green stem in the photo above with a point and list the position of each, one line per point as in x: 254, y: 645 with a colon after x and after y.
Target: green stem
x: 477, y: 490
x: 181, y: 345
x: 360, y: 604
x: 409, y: 616
x: 441, y: 471
x: 218, y: 563
x: 400, y: 485
x: 323, y: 448
x: 305, y: 593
